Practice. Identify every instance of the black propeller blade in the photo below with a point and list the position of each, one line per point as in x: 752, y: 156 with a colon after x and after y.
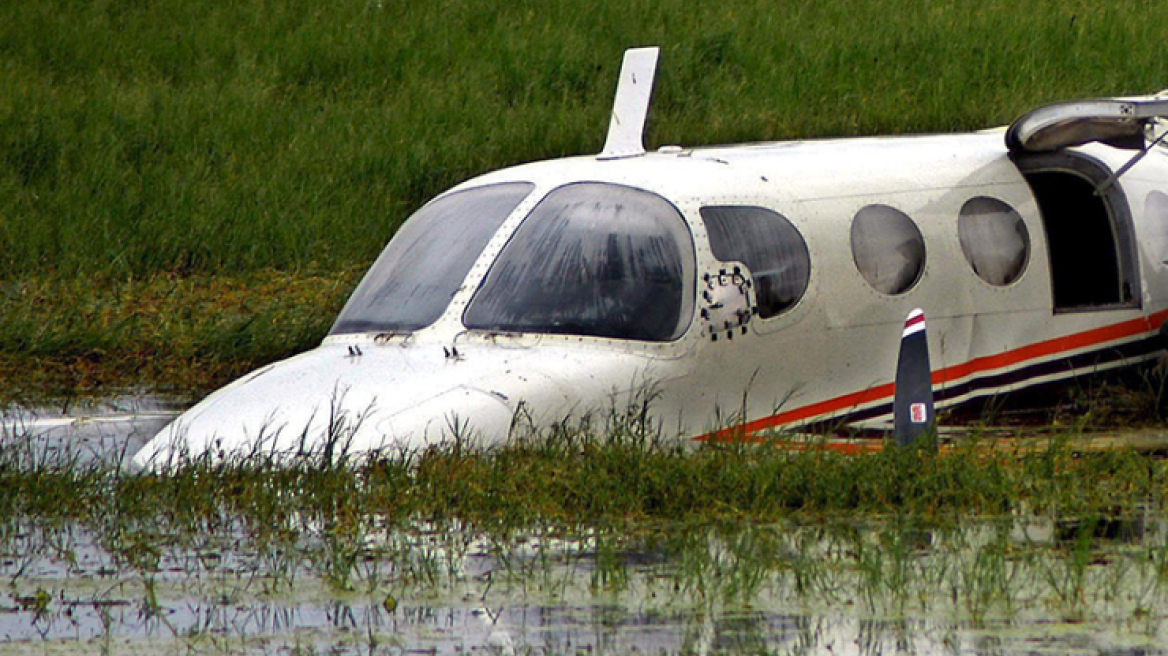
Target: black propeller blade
x: 912, y: 407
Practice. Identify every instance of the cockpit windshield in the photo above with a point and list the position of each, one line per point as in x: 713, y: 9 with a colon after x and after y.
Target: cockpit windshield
x: 592, y: 259
x: 415, y: 277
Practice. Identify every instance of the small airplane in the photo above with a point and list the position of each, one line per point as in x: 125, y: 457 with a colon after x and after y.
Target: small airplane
x: 746, y: 289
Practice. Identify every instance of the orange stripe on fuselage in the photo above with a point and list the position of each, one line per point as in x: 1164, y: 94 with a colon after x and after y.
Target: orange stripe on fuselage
x: 1034, y: 351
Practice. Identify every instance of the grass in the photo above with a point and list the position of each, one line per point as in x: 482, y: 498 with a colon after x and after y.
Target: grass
x: 182, y: 335
x: 621, y: 517
x: 891, y: 531
x: 580, y: 477
x: 147, y: 143
x: 225, y: 137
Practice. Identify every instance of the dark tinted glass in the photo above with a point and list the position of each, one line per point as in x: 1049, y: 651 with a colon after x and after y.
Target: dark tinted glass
x: 415, y: 277
x: 888, y: 249
x: 994, y: 240
x: 592, y: 259
x: 769, y: 246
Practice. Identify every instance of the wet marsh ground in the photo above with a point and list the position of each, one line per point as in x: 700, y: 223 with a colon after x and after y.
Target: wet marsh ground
x: 575, y: 539
x: 990, y: 586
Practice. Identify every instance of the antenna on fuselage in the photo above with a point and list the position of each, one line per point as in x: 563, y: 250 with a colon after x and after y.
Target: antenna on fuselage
x: 630, y: 108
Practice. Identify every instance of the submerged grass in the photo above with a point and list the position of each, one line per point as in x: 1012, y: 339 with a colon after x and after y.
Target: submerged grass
x: 620, y: 515
x: 170, y: 141
x: 593, y: 480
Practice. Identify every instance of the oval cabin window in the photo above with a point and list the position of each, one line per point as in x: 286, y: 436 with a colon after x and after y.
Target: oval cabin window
x: 769, y: 245
x: 1156, y: 211
x: 888, y: 249
x: 994, y: 240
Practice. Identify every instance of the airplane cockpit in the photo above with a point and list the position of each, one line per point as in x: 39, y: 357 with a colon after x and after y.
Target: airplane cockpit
x: 412, y: 282
x: 592, y: 259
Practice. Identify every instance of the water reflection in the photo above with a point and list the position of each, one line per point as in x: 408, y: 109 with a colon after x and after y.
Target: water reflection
x: 106, y: 430
x: 881, y: 587
x: 1025, y: 584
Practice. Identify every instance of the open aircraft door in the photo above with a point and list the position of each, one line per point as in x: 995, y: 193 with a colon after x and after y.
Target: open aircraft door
x: 1085, y: 214
x: 1117, y: 122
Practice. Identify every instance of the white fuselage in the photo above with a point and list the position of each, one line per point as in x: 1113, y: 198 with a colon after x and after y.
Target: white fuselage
x: 828, y: 356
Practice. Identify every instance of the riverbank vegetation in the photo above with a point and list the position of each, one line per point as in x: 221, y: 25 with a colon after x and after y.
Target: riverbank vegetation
x: 184, y: 335
x: 1046, y: 525
x: 271, y: 147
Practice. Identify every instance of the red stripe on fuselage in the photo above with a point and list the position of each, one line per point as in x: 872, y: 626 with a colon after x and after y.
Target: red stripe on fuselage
x: 914, y: 324
x: 1034, y: 351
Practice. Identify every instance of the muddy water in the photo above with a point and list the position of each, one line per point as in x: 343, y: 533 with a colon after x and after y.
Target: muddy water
x: 1013, y: 585
x: 102, y: 429
x: 1004, y: 587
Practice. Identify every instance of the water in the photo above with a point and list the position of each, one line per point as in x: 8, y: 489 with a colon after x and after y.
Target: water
x: 361, y: 629
x: 105, y: 429
x: 1012, y: 585
x: 991, y: 587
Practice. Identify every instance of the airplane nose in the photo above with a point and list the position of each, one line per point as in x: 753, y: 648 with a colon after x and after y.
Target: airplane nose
x: 466, y: 414
x: 333, y: 401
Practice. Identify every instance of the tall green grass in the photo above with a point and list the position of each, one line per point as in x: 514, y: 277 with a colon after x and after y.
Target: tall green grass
x: 147, y: 142
x: 222, y: 137
x: 1075, y: 535
x: 580, y: 476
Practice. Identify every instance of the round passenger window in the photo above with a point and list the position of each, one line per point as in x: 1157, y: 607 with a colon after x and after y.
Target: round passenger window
x: 994, y: 239
x: 769, y: 246
x: 888, y: 249
x: 1156, y: 211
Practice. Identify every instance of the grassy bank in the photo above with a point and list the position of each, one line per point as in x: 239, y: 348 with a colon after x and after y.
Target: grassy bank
x: 61, y: 337
x: 168, y: 140
x: 139, y: 138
